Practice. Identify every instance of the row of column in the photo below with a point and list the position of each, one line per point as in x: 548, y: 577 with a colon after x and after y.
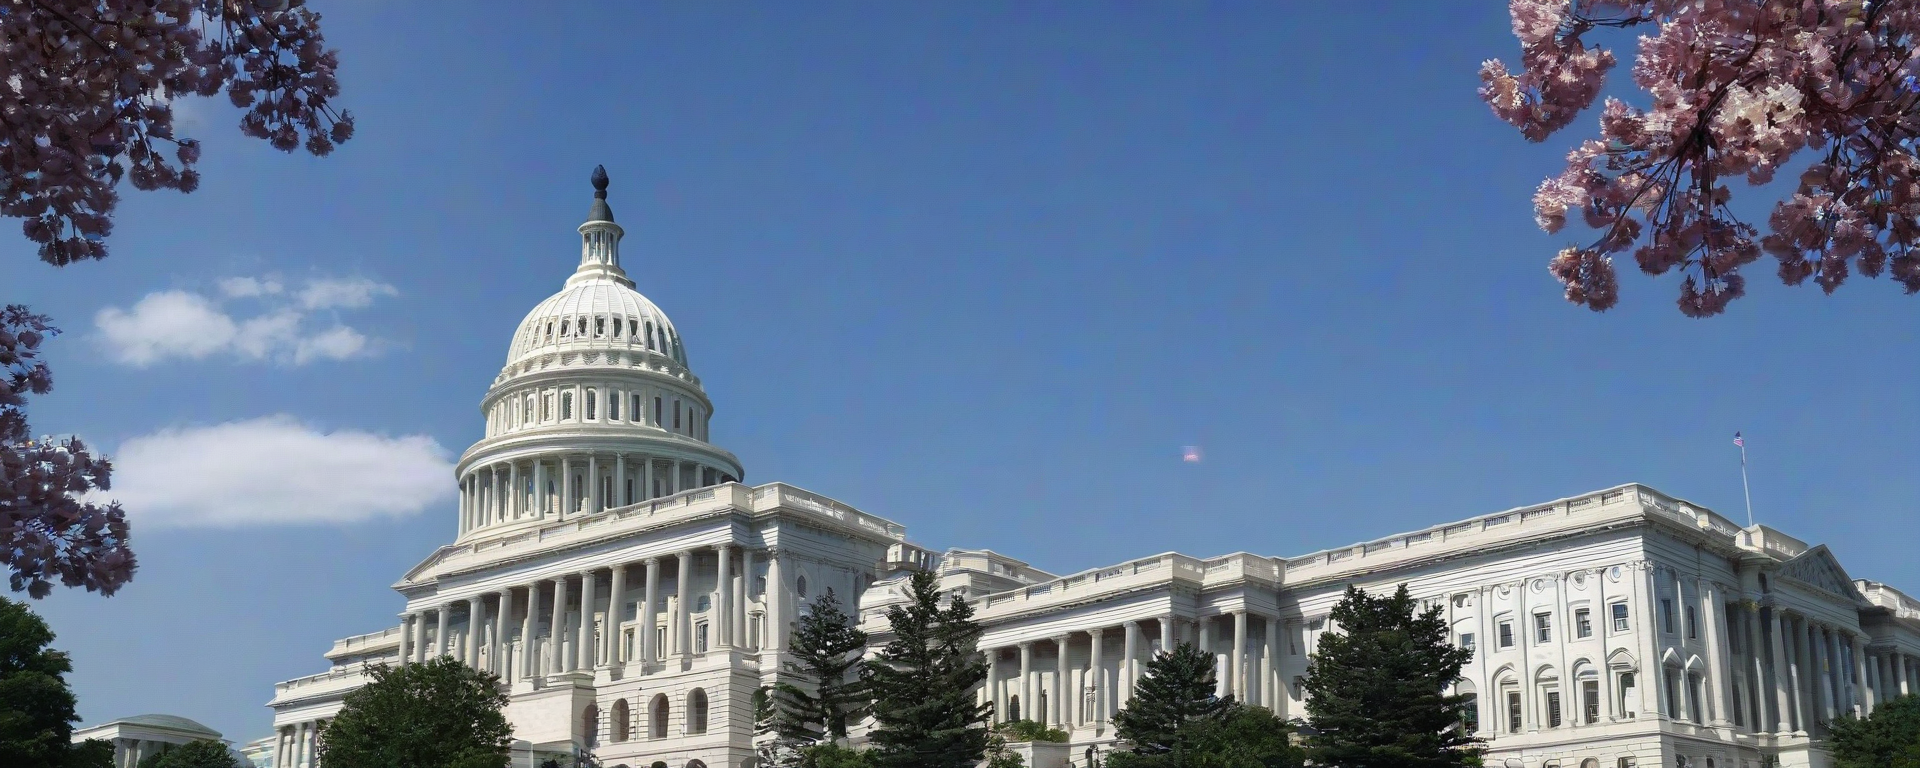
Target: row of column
x: 571, y: 605
x: 1800, y: 673
x: 503, y: 491
x: 296, y: 744
x: 1241, y: 672
x: 578, y: 403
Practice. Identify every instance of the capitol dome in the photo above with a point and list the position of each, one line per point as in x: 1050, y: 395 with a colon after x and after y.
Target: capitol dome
x: 595, y: 409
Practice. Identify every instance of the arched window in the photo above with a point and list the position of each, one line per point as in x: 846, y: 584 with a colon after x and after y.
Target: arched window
x: 1013, y: 708
x: 800, y: 586
x: 593, y: 401
x: 703, y: 603
x: 696, y: 712
x: 590, y: 725
x: 696, y: 764
x: 620, y: 724
x: 657, y: 712
x: 1591, y: 762
x: 566, y: 406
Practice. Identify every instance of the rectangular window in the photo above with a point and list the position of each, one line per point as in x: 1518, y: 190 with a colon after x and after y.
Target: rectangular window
x: 1470, y: 715
x: 1693, y: 625
x: 1590, y: 700
x: 659, y: 643
x: 613, y: 407
x: 1627, y: 697
x: 1506, y: 634
x: 1583, y: 623
x: 1672, y: 687
x: 1293, y: 641
x: 676, y: 414
x: 1693, y: 699
x: 1543, y: 628
x: 1513, y: 712
x: 1553, y: 708
x: 1466, y: 640
x: 1620, y: 617
x: 656, y: 411
x: 1666, y: 615
x: 700, y: 637
x: 638, y: 408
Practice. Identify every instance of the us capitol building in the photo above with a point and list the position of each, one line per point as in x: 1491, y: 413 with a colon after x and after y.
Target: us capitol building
x: 617, y: 574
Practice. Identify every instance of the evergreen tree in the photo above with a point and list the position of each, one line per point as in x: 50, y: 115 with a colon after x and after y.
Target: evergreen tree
x: 36, y: 707
x: 825, y: 647
x: 1172, y: 699
x: 1377, y: 688
x: 193, y: 754
x: 923, y: 684
x: 1889, y: 738
x: 437, y: 714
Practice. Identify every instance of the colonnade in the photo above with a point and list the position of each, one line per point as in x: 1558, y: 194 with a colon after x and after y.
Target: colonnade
x: 561, y: 484
x: 502, y: 631
x: 295, y: 745
x: 1249, y: 670
x: 1799, y: 673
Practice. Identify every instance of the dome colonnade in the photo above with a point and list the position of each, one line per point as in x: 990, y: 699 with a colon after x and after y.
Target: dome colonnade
x: 595, y: 408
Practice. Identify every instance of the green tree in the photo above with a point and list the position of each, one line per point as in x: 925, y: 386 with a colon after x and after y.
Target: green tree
x: 1243, y: 737
x: 923, y: 684
x: 36, y: 707
x: 826, y: 693
x: 1172, y: 699
x: 439, y: 714
x: 1889, y: 738
x: 193, y: 754
x: 1030, y: 730
x: 1377, y: 688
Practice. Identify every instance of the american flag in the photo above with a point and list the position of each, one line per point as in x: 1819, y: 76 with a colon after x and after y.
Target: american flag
x: 1738, y: 440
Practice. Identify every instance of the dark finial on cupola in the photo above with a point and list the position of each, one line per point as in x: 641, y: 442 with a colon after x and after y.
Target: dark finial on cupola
x: 600, y: 182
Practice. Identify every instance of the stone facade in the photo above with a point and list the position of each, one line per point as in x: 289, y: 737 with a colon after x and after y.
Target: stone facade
x: 633, y: 594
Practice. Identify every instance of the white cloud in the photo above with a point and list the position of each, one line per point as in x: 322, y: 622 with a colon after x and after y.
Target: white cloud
x: 180, y: 324
x: 347, y: 292
x: 274, y: 470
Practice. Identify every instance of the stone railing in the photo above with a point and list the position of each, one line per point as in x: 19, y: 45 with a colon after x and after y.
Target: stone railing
x: 1086, y: 585
x: 1487, y: 529
x: 359, y: 644
x: 334, y: 675
x: 766, y: 497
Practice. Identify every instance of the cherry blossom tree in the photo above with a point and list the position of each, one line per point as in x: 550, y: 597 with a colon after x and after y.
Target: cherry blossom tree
x: 1731, y: 88
x: 87, y: 90
x: 47, y: 530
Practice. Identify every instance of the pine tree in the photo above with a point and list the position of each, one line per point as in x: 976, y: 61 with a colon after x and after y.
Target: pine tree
x: 825, y: 649
x: 1170, y: 703
x: 1377, y: 688
x: 923, y: 684
x: 1888, y: 738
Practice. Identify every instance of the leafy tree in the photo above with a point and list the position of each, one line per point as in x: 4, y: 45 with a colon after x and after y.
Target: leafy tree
x: 1170, y: 701
x: 1377, y: 689
x: 46, y: 531
x: 193, y: 754
x: 36, y: 707
x: 1030, y: 730
x: 87, y: 88
x: 827, y: 754
x: 923, y: 684
x: 1730, y: 89
x: 830, y: 694
x: 1243, y: 737
x: 1889, y: 738
x: 439, y: 714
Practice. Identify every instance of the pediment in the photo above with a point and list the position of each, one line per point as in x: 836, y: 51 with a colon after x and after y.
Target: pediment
x: 1817, y: 568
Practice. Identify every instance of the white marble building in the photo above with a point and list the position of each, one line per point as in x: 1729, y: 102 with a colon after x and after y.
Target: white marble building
x: 610, y: 566
x: 136, y: 738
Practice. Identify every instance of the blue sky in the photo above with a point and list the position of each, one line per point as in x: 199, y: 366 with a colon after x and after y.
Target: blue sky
x: 979, y: 268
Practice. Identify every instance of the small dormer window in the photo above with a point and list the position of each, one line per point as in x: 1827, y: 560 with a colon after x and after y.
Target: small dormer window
x: 616, y: 327
x: 566, y: 328
x: 549, y: 330
x: 600, y: 326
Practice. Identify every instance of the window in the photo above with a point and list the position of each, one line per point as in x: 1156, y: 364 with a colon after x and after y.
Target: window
x: 800, y: 586
x: 546, y: 407
x: 1625, y: 762
x: 1506, y: 634
x: 1466, y: 641
x: 1513, y: 712
x: 656, y: 411
x: 659, y: 643
x: 1553, y: 708
x: 1620, y: 617
x: 1590, y: 701
x: 620, y: 729
x: 1627, y: 697
x: 676, y: 413
x: 1666, y: 615
x: 1470, y: 714
x: 628, y: 499
x: 700, y: 637
x: 590, y: 722
x: 1543, y: 628
x: 616, y: 327
x: 703, y: 603
x: 613, y: 407
x: 529, y: 414
x: 1672, y: 686
x: 566, y: 405
x: 638, y: 409
x: 592, y: 400
x: 599, y: 326
x: 1693, y: 625
x: 658, y: 714
x: 1693, y: 698
x: 565, y: 327
x: 1582, y: 623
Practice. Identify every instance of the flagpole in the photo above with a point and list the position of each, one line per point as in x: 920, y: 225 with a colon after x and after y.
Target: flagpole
x: 1743, y: 483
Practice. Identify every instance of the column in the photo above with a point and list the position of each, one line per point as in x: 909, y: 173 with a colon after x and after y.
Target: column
x: 722, y: 624
x: 566, y: 486
x: 539, y: 500
x: 556, y: 634
x: 1057, y: 700
x: 1860, y: 674
x: 776, y: 601
x: 620, y: 480
x: 1239, y: 655
x: 1166, y: 635
x: 1269, y: 666
x: 529, y: 629
x: 441, y: 647
x: 502, y: 644
x: 992, y: 689
x: 1782, y: 688
x: 741, y: 594
x: 584, y: 646
x: 1130, y: 647
x: 683, y: 613
x: 517, y: 507
x: 476, y: 613
x: 1796, y: 672
x: 616, y: 615
x: 1719, y: 671
x: 303, y: 737
x: 594, y: 501
x: 1757, y: 681
x: 406, y: 638
x: 1097, y: 675
x: 649, y: 642
x: 1025, y: 685
x: 1900, y: 672
x: 646, y: 481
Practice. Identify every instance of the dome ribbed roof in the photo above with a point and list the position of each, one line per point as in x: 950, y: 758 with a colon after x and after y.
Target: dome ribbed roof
x: 171, y: 722
x: 597, y: 313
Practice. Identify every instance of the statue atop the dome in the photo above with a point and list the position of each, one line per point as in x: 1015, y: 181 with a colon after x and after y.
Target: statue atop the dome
x: 600, y: 182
